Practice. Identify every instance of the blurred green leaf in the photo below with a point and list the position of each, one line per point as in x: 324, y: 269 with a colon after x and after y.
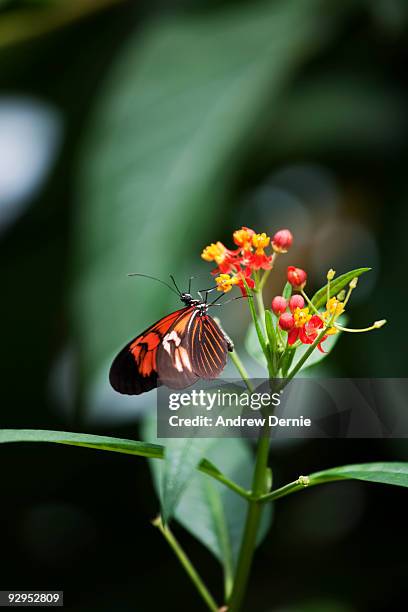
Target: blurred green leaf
x: 173, y: 125
x: 387, y: 473
x: 118, y: 445
x: 320, y: 298
x: 196, y: 510
x: 212, y: 513
x: 181, y: 457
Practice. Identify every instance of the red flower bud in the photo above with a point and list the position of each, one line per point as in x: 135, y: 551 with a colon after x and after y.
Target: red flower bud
x: 282, y: 241
x: 279, y: 305
x: 297, y: 277
x: 296, y: 301
x: 286, y: 321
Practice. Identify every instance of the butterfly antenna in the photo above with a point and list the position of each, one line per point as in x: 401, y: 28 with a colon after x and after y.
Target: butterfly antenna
x: 155, y: 279
x: 175, y: 284
x: 193, y: 277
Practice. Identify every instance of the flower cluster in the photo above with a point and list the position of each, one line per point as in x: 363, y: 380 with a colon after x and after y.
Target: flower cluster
x: 241, y: 266
x: 304, y: 322
x: 247, y: 266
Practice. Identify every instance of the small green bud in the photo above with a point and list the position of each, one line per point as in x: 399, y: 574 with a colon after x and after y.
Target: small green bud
x: 304, y: 480
x: 379, y: 324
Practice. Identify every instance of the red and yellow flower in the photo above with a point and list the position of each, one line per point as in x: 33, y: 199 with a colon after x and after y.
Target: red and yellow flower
x: 259, y: 260
x: 243, y: 238
x: 225, y: 282
x: 305, y: 324
x: 301, y: 325
x: 223, y: 257
x: 254, y: 253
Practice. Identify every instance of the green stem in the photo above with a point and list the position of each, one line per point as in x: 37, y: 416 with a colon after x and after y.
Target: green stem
x: 292, y: 487
x: 261, y: 306
x: 259, y: 480
x: 186, y: 563
x: 303, y: 482
x: 206, y: 467
x: 264, y: 279
x: 248, y: 544
x: 258, y: 493
x: 259, y: 332
x: 310, y: 303
x: 241, y: 369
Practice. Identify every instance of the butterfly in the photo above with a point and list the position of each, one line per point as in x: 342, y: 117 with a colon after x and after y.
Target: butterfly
x: 176, y: 351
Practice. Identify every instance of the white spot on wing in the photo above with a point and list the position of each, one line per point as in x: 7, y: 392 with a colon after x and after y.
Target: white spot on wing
x: 181, y: 359
x: 171, y: 337
x: 185, y: 358
x: 177, y: 363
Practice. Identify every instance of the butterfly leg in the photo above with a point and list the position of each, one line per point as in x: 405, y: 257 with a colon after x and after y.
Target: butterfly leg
x: 206, y: 291
x: 240, y: 297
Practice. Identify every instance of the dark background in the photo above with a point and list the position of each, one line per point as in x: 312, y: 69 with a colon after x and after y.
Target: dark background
x: 323, y: 151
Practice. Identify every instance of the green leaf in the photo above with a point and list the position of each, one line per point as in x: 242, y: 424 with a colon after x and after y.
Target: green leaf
x: 211, y: 512
x: 320, y: 298
x: 221, y: 533
x: 287, y: 360
x: 287, y: 291
x: 118, y: 445
x: 172, y: 127
x: 181, y: 458
x: 270, y: 330
x: 392, y: 473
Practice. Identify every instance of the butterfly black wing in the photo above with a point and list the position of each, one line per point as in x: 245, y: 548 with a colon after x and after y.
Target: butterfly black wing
x: 134, y: 369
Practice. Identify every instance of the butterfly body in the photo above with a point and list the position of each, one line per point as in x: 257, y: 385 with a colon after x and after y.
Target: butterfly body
x: 177, y: 350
